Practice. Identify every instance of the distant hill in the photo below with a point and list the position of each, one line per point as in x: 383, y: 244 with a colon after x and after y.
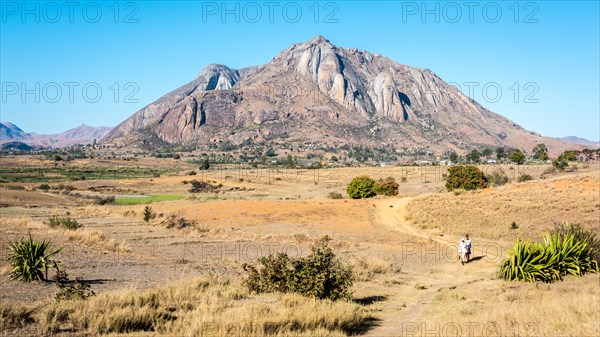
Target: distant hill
x: 9, y: 131
x: 20, y: 146
x: 82, y: 134
x: 580, y: 141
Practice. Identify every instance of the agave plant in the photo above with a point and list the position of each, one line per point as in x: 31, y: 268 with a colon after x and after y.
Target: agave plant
x: 30, y: 259
x: 528, y: 262
x: 548, y: 261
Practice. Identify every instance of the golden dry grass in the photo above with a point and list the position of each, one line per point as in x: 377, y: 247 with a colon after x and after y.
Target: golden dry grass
x: 201, y: 307
x: 534, y: 206
x: 568, y: 308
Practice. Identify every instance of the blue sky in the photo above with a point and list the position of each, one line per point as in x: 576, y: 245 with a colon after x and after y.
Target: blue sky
x: 97, y: 62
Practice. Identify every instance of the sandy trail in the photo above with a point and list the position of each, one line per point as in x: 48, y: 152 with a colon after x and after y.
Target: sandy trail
x: 440, y: 274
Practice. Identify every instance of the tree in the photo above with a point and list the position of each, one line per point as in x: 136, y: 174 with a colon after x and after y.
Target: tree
x: 205, y: 164
x: 486, y: 152
x: 500, y: 153
x: 570, y: 155
x: 453, y: 156
x: 517, y: 157
x: 540, y: 152
x: 467, y: 177
x: 361, y: 187
x: 474, y: 156
x: 289, y: 161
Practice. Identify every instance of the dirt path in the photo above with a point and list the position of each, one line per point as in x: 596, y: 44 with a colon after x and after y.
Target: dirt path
x: 434, y: 276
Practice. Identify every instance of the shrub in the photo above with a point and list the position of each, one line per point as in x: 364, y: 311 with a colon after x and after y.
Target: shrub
x: 320, y: 275
x: 514, y: 225
x: 15, y: 187
x: 388, y: 187
x: 178, y: 222
x: 66, y: 222
x: 465, y: 177
x: 104, y: 200
x: 204, y: 187
x: 335, y: 195
x: 44, y: 187
x: 497, y: 177
x: 192, y: 173
x: 148, y: 214
x: 558, y: 255
x: 30, y: 259
x: 68, y: 291
x: 560, y: 163
x: 361, y: 187
x: 525, y: 177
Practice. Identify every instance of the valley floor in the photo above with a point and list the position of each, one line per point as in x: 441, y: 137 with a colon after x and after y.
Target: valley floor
x: 402, y: 249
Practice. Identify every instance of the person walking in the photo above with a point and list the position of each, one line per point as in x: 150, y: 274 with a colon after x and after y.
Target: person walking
x: 468, y: 245
x: 462, y: 251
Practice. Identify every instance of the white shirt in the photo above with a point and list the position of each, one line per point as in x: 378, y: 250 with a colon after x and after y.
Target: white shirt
x: 462, y: 246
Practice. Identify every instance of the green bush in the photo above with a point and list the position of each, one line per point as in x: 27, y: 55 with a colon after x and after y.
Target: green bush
x: 388, y: 187
x: 30, y: 259
x: 320, y: 274
x: 192, y: 173
x: 465, y: 177
x: 560, y: 163
x: 44, y: 187
x: 361, y: 187
x: 558, y: 255
x: 66, y: 222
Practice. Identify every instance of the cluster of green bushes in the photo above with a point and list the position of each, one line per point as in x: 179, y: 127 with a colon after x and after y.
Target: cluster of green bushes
x: 320, y: 274
x: 566, y: 250
x: 364, y: 187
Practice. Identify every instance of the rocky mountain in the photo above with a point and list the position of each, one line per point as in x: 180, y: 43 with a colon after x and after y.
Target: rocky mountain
x: 82, y: 134
x: 318, y: 92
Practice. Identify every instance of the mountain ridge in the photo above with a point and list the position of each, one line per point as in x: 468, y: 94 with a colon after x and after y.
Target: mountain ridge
x: 83, y: 134
x: 315, y: 91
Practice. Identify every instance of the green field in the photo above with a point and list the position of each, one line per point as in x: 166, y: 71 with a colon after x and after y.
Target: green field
x: 148, y: 199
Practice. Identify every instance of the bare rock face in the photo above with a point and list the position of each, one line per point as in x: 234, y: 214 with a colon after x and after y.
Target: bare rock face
x: 316, y: 91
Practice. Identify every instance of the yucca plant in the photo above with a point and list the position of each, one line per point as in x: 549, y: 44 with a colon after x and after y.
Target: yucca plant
x: 30, y: 259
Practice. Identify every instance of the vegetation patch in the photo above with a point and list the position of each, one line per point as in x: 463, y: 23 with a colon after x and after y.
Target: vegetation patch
x: 361, y: 187
x: 465, y: 177
x: 561, y: 253
x: 141, y: 200
x: 30, y: 259
x: 67, y: 222
x: 320, y: 275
